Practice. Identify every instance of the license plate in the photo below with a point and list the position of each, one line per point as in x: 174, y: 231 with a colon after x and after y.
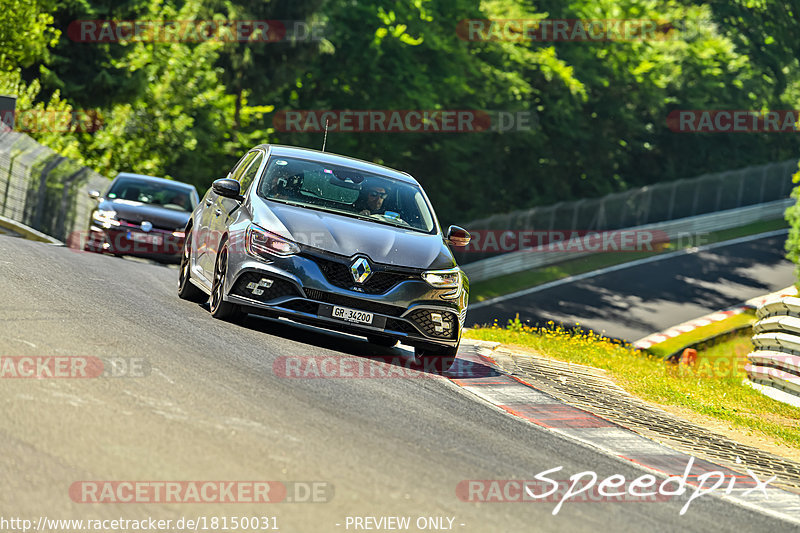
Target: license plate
x: 156, y: 240
x: 351, y: 315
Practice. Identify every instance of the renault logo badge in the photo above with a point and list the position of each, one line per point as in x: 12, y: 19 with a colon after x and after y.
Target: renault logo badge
x: 360, y: 270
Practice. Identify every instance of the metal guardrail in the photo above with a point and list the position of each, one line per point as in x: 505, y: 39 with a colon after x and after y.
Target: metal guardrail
x: 775, y: 362
x: 44, y: 190
x: 543, y: 255
x: 651, y: 204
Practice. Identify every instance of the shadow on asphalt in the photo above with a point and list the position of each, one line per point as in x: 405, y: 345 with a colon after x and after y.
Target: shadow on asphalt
x: 634, y: 296
x: 401, y: 356
x: 131, y: 258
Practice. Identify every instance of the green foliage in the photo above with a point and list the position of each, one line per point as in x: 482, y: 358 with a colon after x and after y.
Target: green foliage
x: 177, y: 124
x: 189, y: 109
x: 25, y: 33
x: 793, y: 218
x: 89, y: 74
x: 41, y: 117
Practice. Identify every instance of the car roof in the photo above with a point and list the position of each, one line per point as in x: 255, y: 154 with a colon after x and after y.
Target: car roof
x: 336, y: 159
x: 153, y: 179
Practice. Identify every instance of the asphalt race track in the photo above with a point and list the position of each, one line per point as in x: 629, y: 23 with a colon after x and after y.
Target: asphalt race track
x: 635, y: 301
x: 210, y: 407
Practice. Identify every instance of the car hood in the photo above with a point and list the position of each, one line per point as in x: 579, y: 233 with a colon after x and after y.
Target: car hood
x: 347, y: 236
x: 137, y: 212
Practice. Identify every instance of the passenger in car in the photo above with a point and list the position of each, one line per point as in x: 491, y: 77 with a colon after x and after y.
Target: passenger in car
x: 285, y: 186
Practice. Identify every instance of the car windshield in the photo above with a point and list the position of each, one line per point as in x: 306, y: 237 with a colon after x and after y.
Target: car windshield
x: 154, y: 193
x: 346, y: 191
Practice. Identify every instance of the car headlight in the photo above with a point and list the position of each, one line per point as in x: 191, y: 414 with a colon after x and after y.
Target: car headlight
x: 260, y: 243
x: 443, y: 279
x: 106, y: 217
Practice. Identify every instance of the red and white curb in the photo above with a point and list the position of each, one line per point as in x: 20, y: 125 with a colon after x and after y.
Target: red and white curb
x: 523, y: 400
x: 758, y: 301
x: 710, y: 318
x: 686, y: 327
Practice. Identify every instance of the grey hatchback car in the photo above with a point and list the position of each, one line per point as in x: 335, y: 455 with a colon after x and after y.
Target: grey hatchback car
x: 329, y: 240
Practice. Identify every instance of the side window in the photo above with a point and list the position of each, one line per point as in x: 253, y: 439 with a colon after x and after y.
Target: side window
x: 241, y: 165
x: 250, y: 173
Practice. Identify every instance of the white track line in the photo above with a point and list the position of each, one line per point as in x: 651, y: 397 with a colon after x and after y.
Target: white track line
x: 622, y: 266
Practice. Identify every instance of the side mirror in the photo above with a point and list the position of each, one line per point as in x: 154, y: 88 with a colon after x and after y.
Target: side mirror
x: 458, y: 236
x: 229, y: 188
x: 94, y: 195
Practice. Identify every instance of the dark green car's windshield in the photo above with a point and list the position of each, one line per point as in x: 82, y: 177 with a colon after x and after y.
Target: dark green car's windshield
x: 147, y: 192
x: 346, y: 191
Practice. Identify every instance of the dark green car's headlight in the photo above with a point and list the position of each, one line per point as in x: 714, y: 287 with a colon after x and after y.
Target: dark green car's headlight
x: 105, y: 217
x: 443, y: 279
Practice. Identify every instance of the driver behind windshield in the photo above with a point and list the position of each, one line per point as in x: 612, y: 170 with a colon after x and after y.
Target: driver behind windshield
x: 177, y: 199
x: 371, y: 200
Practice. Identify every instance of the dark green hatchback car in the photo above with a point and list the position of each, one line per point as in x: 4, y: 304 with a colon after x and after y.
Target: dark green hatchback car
x: 329, y: 240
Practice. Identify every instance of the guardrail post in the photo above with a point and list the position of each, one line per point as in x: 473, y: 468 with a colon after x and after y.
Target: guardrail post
x: 42, y: 194
x: 741, y: 190
x: 774, y: 363
x: 11, y: 158
x: 62, y: 213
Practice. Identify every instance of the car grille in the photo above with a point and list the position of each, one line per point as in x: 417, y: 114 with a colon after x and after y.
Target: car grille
x: 379, y: 282
x: 278, y: 289
x: 355, y: 303
x: 402, y: 326
x: 130, y: 224
x: 422, y: 318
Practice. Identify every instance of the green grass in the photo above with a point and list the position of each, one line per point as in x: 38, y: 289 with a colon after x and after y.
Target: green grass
x: 725, y: 360
x: 707, y: 390
x: 490, y: 288
x: 663, y: 349
x: 484, y: 290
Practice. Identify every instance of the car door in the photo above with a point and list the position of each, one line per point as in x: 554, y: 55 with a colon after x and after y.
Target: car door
x: 206, y: 239
x: 224, y: 209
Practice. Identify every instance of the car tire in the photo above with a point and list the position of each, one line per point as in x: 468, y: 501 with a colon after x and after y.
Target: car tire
x: 437, y: 359
x: 219, y: 307
x: 186, y: 289
x: 382, y: 340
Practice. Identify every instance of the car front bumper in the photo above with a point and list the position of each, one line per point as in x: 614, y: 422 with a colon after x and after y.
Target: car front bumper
x: 129, y: 240
x: 411, y: 311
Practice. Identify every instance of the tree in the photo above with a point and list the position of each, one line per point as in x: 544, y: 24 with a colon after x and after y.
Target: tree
x: 257, y: 67
x: 25, y: 33
x: 92, y: 74
x: 179, y: 124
